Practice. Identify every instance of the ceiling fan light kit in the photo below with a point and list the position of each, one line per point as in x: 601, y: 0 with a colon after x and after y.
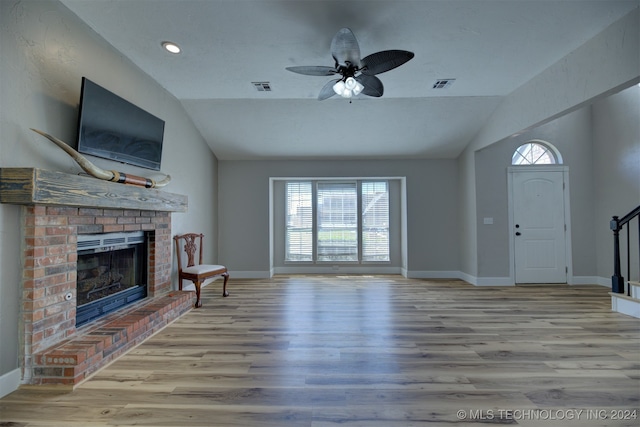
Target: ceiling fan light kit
x: 357, y: 75
x: 348, y: 88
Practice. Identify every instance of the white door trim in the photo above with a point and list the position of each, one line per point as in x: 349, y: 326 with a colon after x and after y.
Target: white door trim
x: 511, y: 170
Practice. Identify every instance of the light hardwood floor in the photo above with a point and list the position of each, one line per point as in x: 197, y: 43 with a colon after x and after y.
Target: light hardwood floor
x: 374, y: 351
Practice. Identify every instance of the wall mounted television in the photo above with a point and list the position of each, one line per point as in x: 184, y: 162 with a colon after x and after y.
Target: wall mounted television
x: 113, y: 128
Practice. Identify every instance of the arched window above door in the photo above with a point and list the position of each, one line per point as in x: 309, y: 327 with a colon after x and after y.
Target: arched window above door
x: 536, y: 153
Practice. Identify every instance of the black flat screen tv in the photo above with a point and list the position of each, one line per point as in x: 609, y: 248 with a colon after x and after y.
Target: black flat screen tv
x: 113, y: 128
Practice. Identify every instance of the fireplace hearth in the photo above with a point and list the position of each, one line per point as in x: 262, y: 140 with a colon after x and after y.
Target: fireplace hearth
x: 111, y: 273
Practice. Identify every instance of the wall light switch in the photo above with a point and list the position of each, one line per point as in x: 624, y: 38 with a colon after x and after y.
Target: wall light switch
x: 488, y: 221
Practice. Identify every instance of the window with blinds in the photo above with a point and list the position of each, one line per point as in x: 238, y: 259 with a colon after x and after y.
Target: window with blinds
x: 375, y: 221
x: 335, y: 221
x: 299, y: 238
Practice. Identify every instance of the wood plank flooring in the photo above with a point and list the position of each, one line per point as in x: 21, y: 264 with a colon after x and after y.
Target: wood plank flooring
x: 371, y: 351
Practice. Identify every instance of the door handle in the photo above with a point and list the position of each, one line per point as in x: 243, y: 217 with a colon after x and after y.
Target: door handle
x: 517, y: 233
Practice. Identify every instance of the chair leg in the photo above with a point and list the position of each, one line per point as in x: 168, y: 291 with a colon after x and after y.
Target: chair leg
x: 224, y: 285
x: 198, y: 302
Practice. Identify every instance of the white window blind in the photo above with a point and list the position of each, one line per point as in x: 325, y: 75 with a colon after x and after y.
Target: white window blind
x: 336, y: 221
x: 337, y: 205
x: 375, y: 221
x: 299, y: 229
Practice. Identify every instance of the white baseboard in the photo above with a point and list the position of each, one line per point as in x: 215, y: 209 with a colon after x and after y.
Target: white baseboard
x: 338, y: 269
x: 434, y: 275
x: 9, y: 382
x: 591, y: 280
x: 249, y: 274
x: 476, y: 281
x: 346, y: 269
x: 467, y: 278
x: 363, y: 269
x: 494, y: 281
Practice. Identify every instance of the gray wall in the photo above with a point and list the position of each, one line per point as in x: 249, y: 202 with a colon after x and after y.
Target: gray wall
x: 616, y: 133
x: 432, y: 209
x: 601, y: 146
x: 45, y: 50
x: 571, y: 135
x: 603, y: 66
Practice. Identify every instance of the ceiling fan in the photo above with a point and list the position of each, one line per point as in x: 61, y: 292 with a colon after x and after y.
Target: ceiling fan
x: 356, y: 75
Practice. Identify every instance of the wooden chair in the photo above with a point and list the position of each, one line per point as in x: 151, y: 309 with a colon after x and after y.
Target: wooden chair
x: 199, y: 272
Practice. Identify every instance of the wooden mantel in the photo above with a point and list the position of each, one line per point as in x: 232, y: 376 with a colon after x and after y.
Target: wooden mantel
x: 32, y: 186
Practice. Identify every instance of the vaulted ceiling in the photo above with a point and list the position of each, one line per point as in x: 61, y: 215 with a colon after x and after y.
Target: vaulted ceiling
x: 490, y: 48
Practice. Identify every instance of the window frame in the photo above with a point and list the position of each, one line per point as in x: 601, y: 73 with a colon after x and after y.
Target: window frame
x: 359, y: 215
x: 549, y: 150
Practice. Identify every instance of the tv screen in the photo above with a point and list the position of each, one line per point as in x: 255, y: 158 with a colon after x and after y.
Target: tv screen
x: 113, y: 128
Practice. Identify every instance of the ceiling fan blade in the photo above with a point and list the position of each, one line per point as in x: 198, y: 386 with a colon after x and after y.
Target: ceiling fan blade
x: 372, y: 85
x: 345, y: 48
x: 327, y: 90
x: 385, y: 60
x: 313, y: 70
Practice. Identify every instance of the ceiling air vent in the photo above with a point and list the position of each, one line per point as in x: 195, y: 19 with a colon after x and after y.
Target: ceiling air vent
x: 262, y: 86
x: 443, y: 83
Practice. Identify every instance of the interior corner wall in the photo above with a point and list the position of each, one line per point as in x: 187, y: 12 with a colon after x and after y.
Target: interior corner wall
x: 432, y: 206
x: 45, y: 51
x: 616, y: 134
x: 468, y: 252
x: 603, y: 66
x: 571, y: 135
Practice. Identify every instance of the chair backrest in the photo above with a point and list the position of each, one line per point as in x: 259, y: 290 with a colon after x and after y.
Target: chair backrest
x: 192, y: 244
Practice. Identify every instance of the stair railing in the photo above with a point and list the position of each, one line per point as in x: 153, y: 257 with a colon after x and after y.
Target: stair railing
x: 618, y: 224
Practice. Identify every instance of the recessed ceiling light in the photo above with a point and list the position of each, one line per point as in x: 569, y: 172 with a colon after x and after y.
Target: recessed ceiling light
x: 171, y: 47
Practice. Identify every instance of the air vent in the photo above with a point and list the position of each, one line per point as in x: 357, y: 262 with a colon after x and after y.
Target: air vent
x: 262, y: 86
x: 88, y: 244
x: 443, y: 83
x: 94, y: 241
x: 114, y: 241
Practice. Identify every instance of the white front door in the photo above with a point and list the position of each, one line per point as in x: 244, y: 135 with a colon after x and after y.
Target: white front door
x: 539, y: 227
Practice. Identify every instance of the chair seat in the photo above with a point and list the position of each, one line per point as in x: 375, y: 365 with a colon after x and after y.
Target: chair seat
x: 204, y: 268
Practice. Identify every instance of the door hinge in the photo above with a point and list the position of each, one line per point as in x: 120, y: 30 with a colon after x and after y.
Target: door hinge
x: 566, y: 270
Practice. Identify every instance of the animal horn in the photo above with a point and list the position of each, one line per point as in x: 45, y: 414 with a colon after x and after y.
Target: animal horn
x: 81, y: 160
x: 99, y: 173
x: 164, y: 181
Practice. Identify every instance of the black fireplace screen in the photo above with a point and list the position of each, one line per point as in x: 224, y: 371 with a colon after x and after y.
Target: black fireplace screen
x: 109, y: 277
x: 106, y: 273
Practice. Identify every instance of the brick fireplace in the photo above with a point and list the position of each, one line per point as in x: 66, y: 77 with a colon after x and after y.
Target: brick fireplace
x: 55, y: 351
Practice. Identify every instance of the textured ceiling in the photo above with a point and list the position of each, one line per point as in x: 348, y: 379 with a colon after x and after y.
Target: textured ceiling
x: 490, y: 47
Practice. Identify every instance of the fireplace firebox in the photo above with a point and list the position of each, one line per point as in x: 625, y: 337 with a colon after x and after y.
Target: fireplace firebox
x: 111, y: 273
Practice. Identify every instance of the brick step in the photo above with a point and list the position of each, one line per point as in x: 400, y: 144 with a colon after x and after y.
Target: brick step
x: 95, y: 345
